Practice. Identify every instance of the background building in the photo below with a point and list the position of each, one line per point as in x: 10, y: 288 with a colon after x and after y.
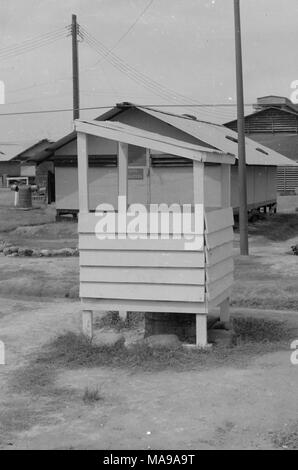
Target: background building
x: 274, y: 123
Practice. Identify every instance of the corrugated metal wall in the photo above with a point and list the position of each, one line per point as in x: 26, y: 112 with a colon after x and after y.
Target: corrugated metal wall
x: 287, y: 179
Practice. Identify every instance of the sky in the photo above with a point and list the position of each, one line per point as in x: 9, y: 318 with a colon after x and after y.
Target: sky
x: 186, y: 46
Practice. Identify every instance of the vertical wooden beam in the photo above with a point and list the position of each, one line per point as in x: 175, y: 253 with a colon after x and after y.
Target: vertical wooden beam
x: 122, y: 169
x: 148, y: 176
x: 123, y: 315
x: 87, y: 323
x: 82, y: 142
x: 225, y: 185
x: 123, y: 190
x: 225, y: 310
x: 199, y: 198
x: 201, y: 331
x: 198, y: 182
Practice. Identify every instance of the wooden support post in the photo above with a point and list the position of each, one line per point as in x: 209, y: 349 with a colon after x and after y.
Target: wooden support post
x: 201, y: 331
x: 123, y: 315
x: 122, y: 169
x: 82, y: 142
x: 199, y: 192
x: 87, y: 323
x: 123, y: 193
x: 198, y: 182
x: 225, y: 185
x: 225, y: 310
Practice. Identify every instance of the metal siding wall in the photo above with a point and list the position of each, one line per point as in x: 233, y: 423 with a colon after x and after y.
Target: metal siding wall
x: 102, y: 187
x: 171, y: 185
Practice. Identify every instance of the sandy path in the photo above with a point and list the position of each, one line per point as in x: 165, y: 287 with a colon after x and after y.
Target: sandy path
x: 218, y: 408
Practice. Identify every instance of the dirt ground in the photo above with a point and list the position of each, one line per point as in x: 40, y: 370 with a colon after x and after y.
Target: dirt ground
x: 224, y: 407
x: 228, y: 406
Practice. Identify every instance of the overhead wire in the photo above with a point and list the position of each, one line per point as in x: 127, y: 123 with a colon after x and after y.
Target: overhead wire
x: 134, y: 74
x: 27, y: 46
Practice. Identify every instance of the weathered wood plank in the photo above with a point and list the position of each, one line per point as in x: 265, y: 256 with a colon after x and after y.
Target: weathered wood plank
x: 131, y: 305
x: 219, y: 270
x: 219, y: 253
x: 219, y: 298
x: 219, y: 238
x: 182, y: 293
x: 219, y: 219
x: 215, y: 288
x: 186, y: 259
x: 143, y: 275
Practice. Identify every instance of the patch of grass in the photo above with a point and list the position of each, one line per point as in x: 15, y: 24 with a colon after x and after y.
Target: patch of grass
x: 112, y: 320
x: 260, y: 329
x: 11, y: 217
x: 253, y: 337
x: 277, y: 227
x: 259, y: 285
x: 92, y: 395
x: 287, y: 439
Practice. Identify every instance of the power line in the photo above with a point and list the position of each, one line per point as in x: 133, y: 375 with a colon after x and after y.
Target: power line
x: 135, y: 75
x: 46, y: 111
x: 89, y: 108
x: 37, y: 45
x: 140, y: 78
x: 27, y: 46
x: 32, y: 40
x: 132, y: 25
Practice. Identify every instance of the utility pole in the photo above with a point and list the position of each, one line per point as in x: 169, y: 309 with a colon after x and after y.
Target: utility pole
x: 75, y: 68
x: 243, y: 222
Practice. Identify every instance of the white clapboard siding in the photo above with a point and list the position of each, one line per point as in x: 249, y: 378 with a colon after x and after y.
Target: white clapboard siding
x: 219, y: 253
x: 143, y: 275
x: 219, y: 219
x: 132, y: 305
x: 167, y: 292
x: 183, y: 259
x: 219, y: 270
x: 90, y: 242
x: 218, y: 238
x: 225, y: 294
x: 214, y: 289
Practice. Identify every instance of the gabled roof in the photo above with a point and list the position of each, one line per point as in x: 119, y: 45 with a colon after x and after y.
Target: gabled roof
x: 275, y: 100
x: 27, y: 154
x: 131, y: 135
x: 263, y: 111
x: 213, y: 135
x: 222, y: 138
x: 8, y: 151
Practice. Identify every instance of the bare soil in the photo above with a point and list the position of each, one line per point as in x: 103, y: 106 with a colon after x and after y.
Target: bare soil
x: 249, y: 403
x: 220, y: 407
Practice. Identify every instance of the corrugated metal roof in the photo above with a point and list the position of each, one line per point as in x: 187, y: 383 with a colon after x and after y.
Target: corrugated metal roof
x: 215, y: 135
x: 148, y: 139
x: 222, y: 138
x: 9, y: 151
